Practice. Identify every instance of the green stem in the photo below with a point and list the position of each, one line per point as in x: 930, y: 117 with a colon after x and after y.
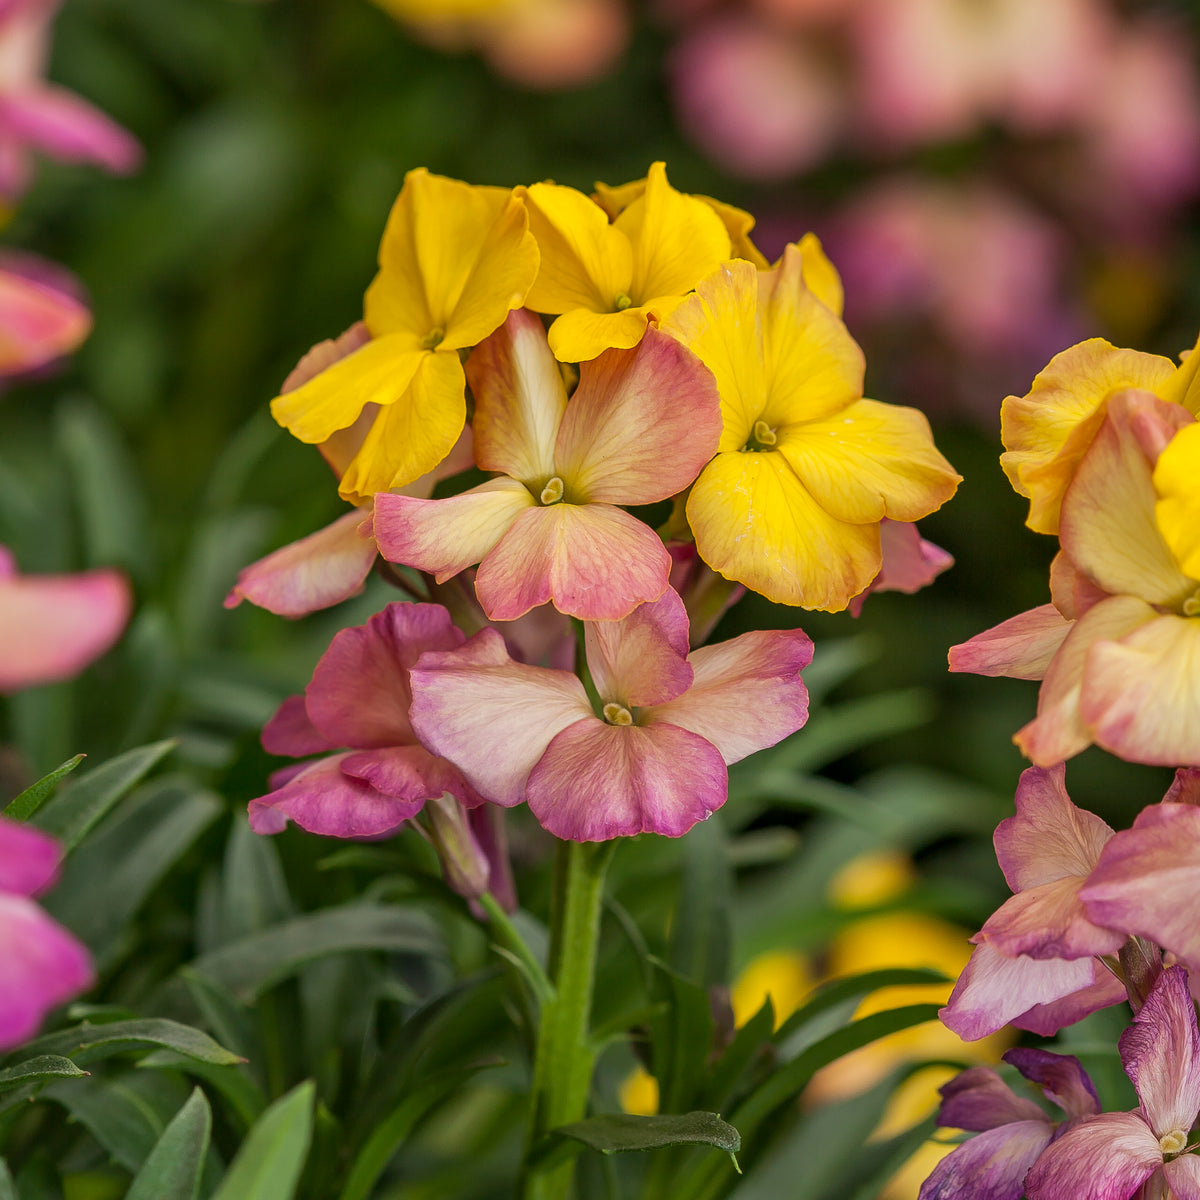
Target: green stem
x: 565, y: 1055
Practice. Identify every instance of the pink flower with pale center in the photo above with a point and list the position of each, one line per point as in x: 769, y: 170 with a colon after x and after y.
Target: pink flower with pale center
x: 548, y: 528
x: 1112, y: 1155
x: 41, y: 964
x: 653, y: 758
x: 52, y: 626
x: 357, y: 704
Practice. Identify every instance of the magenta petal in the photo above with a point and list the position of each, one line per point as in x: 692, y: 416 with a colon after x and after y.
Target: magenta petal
x: 1048, y: 1018
x: 323, y: 569
x: 978, y: 1099
x: 360, y: 691
x: 1103, y: 1158
x: 1062, y: 1079
x: 599, y: 781
x: 991, y: 1166
x: 28, y: 859
x: 1049, y: 921
x: 325, y: 800
x: 747, y: 693
x: 1020, y: 648
x: 1161, y: 1054
x: 68, y: 128
x: 290, y: 732
x: 1183, y: 1174
x: 642, y: 659
x: 409, y: 773
x: 41, y: 966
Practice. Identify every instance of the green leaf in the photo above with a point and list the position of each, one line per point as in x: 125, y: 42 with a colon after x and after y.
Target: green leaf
x: 23, y: 806
x: 85, y: 800
x: 8, y: 1189
x: 234, y: 1083
x: 680, y: 1039
x: 739, y: 1055
x: 268, y: 1165
x: 88, y: 1042
x: 173, y: 1168
x: 701, y: 933
x: 45, y: 1066
x: 619, y: 1132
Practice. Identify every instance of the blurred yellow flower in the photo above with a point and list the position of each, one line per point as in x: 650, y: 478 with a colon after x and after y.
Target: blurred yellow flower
x: 638, y: 1094
x: 784, y: 976
x: 872, y: 879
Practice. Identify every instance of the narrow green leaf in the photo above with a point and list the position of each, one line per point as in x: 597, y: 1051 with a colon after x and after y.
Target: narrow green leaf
x: 268, y: 1165
x: 234, y: 1083
x: 23, y: 806
x: 619, y: 1132
x: 8, y: 1189
x: 88, y: 1042
x: 45, y: 1066
x: 173, y: 1168
x: 85, y: 800
x: 701, y: 935
x: 739, y: 1055
x: 680, y: 1039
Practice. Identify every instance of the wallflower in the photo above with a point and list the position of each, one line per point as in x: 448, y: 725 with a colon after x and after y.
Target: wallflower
x: 52, y: 626
x: 41, y: 964
x: 1126, y: 617
x: 806, y: 469
x: 652, y: 760
x: 42, y: 317
x: 606, y: 280
x: 638, y: 428
x: 454, y: 260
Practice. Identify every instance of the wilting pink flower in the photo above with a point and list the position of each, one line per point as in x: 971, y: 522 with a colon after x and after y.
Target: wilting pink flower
x: 909, y: 562
x: 638, y: 428
x: 52, y: 626
x: 1112, y: 1155
x: 36, y: 115
x: 357, y: 704
x: 42, y: 315
x: 652, y: 760
x: 41, y: 964
x: 1033, y: 963
x: 1012, y: 1131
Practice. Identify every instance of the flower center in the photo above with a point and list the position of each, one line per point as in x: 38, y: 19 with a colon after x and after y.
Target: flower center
x: 763, y: 438
x: 622, y: 301
x: 1173, y: 1142
x: 617, y: 714
x: 433, y: 339
x: 552, y: 493
x: 1191, y: 606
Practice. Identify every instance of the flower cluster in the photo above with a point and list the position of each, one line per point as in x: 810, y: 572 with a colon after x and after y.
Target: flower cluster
x: 622, y: 357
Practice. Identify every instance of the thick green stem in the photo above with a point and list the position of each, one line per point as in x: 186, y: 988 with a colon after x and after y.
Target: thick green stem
x: 565, y: 1056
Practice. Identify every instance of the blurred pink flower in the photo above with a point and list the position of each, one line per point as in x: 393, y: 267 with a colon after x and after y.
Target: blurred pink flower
x: 52, y: 626
x: 36, y: 115
x: 41, y: 964
x: 42, y: 314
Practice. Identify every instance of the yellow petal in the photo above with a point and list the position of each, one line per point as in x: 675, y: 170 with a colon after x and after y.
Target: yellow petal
x: 813, y: 366
x: 413, y: 435
x: 585, y: 262
x: 719, y: 324
x: 676, y: 239
x: 1177, y: 512
x: 1184, y: 386
x: 870, y: 461
x: 581, y: 335
x: 755, y: 522
x: 376, y: 374
x: 820, y: 275
x: 1047, y: 431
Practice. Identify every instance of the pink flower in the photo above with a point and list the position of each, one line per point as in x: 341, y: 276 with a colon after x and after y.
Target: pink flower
x: 638, y: 428
x: 652, y: 760
x: 1033, y: 963
x: 1111, y: 1156
x: 41, y: 964
x: 42, y: 316
x: 52, y: 626
x: 909, y: 562
x: 38, y: 115
x: 359, y: 699
x: 1012, y: 1131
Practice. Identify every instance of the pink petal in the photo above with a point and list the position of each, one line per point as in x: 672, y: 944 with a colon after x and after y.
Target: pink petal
x: 640, y: 425
x: 324, y: 799
x: 1048, y: 1018
x: 991, y: 1166
x: 28, y: 859
x: 520, y: 399
x: 1020, y: 648
x: 487, y: 827
x: 993, y: 989
x: 642, y: 659
x: 747, y: 693
x: 1185, y: 787
x: 68, y: 128
x: 1072, y: 592
x: 597, y: 781
x: 1061, y: 1076
x: 1050, y: 837
x: 360, y: 692
x: 325, y: 568
x: 543, y: 637
x: 491, y: 717
x: 52, y: 626
x: 1103, y: 1158
x: 291, y: 732
x: 592, y: 561
x: 408, y: 773
x: 464, y: 865
x: 978, y: 1099
x: 41, y: 967
x: 444, y: 537
x: 1161, y: 1054
x: 1049, y: 921
x: 1183, y: 1175
x: 909, y: 562
x: 40, y: 320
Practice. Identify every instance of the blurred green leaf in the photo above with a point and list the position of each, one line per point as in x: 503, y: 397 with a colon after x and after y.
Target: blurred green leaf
x: 23, y: 806
x: 88, y: 1043
x: 233, y: 1082
x: 268, y: 1165
x: 680, y: 1039
x: 701, y: 934
x: 45, y: 1066
x: 173, y: 1168
x: 613, y: 1133
x: 741, y: 1052
x: 8, y: 1189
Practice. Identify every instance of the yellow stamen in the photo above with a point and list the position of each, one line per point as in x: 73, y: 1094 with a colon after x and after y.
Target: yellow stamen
x: 433, y: 339
x: 622, y: 301
x: 617, y: 714
x: 1191, y: 606
x: 1173, y: 1142
x: 552, y: 493
x: 764, y: 435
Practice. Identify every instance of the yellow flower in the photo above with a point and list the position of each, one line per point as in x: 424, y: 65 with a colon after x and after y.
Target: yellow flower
x: 638, y: 1093
x: 871, y: 879
x: 1047, y: 431
x: 782, y: 975
x: 806, y: 468
x: 1177, y: 484
x: 454, y: 260
x: 606, y: 280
